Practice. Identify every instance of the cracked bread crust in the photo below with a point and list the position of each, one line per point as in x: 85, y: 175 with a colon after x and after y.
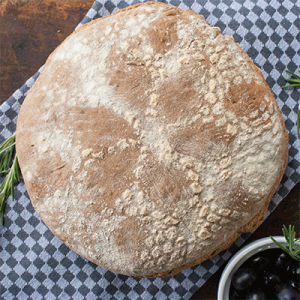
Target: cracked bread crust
x: 150, y: 141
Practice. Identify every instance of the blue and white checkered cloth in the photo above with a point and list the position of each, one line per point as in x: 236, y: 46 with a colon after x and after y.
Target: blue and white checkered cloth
x: 34, y: 264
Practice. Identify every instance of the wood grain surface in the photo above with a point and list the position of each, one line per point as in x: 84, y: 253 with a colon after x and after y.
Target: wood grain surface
x: 31, y: 29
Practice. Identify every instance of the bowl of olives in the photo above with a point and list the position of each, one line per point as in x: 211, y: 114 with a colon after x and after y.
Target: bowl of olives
x: 268, y: 268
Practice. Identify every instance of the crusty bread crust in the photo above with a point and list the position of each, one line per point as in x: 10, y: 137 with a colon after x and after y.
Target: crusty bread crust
x: 150, y: 141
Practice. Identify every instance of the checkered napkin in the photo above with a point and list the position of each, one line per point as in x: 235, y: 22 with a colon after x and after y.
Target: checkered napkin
x: 34, y: 264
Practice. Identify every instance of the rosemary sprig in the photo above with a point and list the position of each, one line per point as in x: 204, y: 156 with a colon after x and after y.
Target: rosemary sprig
x: 290, y: 237
x: 294, y: 83
x: 8, y: 165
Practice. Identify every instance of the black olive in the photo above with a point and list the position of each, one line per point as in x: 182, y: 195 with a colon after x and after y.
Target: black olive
x: 258, y: 262
x: 243, y: 279
x: 259, y: 295
x: 295, y: 269
x: 294, y: 283
x: 286, y: 292
x: 235, y: 295
x: 269, y: 274
x: 283, y: 262
x: 271, y: 280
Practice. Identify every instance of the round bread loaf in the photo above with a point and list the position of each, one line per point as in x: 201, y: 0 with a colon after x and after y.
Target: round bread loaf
x: 150, y: 141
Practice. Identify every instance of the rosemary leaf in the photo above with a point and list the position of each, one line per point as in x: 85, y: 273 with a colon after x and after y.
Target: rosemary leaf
x: 293, y: 74
x: 295, y: 83
x: 8, y: 165
x: 290, y: 85
x: 290, y: 237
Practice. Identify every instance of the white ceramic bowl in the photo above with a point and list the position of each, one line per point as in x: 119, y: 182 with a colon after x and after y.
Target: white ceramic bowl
x: 241, y: 256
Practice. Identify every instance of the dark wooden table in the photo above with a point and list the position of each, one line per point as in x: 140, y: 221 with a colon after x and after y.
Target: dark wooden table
x: 31, y: 29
